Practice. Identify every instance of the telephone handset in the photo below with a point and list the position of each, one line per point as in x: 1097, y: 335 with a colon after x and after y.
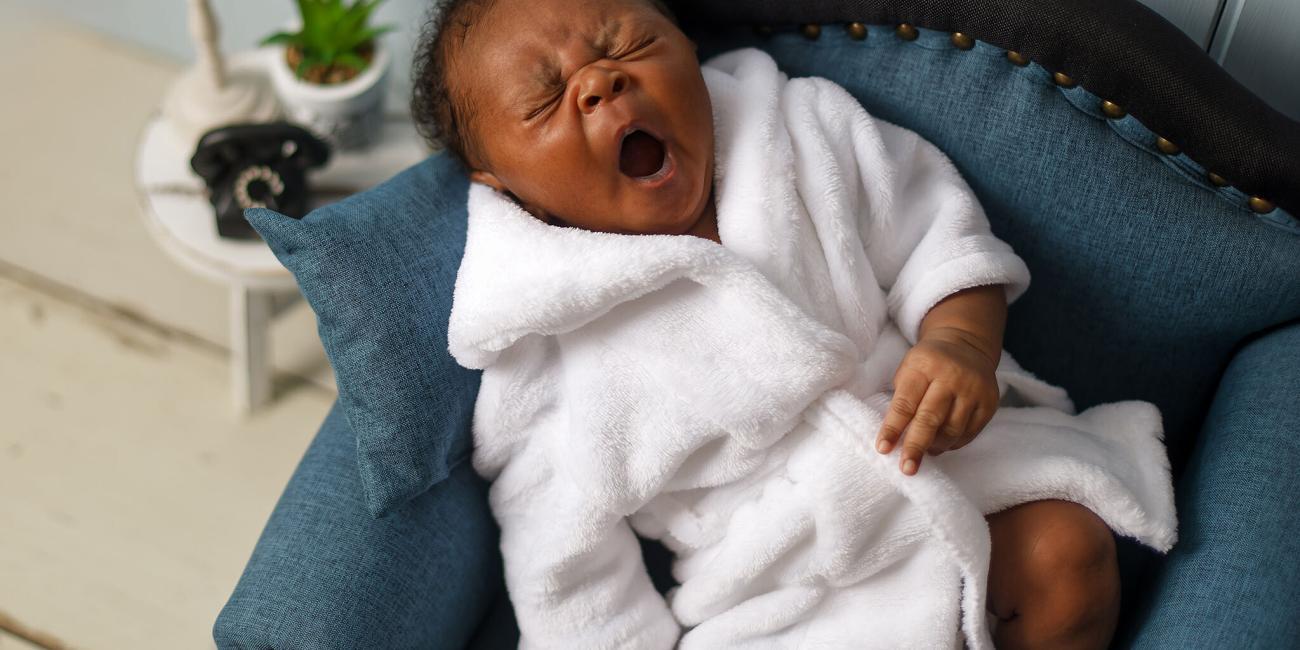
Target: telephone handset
x: 256, y: 166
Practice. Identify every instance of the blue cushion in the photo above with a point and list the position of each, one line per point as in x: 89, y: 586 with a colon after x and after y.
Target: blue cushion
x: 378, y: 269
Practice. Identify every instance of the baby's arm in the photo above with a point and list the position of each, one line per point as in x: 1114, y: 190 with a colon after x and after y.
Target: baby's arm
x: 945, y: 386
x: 947, y: 278
x: 573, y: 566
x: 575, y: 574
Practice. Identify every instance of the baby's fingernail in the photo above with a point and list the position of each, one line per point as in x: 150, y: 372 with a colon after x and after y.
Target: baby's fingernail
x: 882, y: 446
x: 909, y: 467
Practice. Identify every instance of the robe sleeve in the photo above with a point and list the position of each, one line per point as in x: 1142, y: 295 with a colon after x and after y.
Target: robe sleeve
x: 924, y: 232
x: 573, y: 568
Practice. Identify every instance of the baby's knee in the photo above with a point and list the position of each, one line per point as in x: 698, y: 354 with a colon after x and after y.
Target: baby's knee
x: 1075, y: 562
x: 1059, y: 582
x: 1071, y: 541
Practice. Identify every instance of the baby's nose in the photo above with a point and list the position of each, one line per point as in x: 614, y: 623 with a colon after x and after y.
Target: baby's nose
x: 598, y: 85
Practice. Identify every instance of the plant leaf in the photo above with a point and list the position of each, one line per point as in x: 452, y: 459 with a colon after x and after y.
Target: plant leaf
x: 303, y: 66
x: 331, y: 28
x: 356, y: 31
x: 350, y: 60
x: 354, y: 20
x: 315, y: 23
x: 361, y: 37
x: 307, y: 11
x: 334, y: 18
x: 281, y: 38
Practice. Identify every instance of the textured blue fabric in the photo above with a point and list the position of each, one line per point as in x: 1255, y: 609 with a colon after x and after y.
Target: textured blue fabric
x: 1145, y: 279
x: 378, y: 269
x: 325, y: 574
x: 1233, y: 580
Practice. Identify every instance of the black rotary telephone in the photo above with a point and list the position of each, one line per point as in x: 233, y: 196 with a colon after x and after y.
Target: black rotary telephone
x: 256, y: 166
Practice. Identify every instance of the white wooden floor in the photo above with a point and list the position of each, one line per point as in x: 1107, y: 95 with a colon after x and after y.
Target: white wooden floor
x: 130, y: 493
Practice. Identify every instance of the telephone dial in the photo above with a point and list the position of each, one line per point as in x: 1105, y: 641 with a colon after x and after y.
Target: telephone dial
x: 256, y: 166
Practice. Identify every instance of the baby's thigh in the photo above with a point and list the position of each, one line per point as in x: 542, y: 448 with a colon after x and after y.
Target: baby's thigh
x: 1048, y: 546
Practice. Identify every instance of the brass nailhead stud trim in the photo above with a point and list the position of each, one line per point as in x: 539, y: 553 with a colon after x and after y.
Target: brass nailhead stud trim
x: 1063, y: 80
x: 1261, y: 205
x: 1017, y: 58
x: 1166, y: 147
x: 907, y: 32
x: 811, y: 31
x: 1111, y: 109
x: 763, y: 30
x: 962, y: 41
x: 857, y: 31
x: 1217, y: 180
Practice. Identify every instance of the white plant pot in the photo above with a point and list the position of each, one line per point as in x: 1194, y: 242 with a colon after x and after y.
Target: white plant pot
x: 348, y: 115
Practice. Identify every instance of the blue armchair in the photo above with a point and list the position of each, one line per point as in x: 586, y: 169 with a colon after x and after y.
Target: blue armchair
x: 1165, y: 255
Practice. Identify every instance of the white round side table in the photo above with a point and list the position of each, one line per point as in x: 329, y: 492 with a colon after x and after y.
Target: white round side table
x: 180, y: 218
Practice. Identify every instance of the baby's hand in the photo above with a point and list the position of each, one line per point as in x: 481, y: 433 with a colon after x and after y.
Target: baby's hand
x: 945, y: 390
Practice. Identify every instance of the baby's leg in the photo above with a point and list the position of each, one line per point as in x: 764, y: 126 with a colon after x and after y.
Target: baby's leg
x: 1053, y: 577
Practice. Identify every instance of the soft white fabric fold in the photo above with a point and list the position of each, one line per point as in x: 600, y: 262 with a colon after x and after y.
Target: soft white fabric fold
x: 723, y: 399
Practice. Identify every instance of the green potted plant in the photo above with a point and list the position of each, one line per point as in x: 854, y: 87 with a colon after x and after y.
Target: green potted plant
x: 331, y: 72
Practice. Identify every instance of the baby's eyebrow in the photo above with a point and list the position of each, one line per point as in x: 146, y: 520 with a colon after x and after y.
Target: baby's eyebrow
x: 545, y: 74
x: 541, y: 81
x: 607, y: 31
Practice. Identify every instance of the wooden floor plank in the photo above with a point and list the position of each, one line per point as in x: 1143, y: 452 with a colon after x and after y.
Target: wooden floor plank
x: 130, y: 495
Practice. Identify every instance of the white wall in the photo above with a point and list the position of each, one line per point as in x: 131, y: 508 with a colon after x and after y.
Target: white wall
x: 161, y: 26
x: 1258, y: 42
x: 1196, y: 18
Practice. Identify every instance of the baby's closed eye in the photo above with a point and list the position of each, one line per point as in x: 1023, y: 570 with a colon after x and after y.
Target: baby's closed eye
x: 633, y: 46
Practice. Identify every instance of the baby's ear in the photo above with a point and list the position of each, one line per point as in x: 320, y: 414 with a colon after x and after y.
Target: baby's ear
x: 487, y: 178
x: 491, y: 180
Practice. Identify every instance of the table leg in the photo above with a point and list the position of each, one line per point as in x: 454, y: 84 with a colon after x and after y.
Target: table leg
x: 250, y: 353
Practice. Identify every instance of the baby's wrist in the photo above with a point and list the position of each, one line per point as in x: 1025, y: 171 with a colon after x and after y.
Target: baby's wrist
x: 989, y: 350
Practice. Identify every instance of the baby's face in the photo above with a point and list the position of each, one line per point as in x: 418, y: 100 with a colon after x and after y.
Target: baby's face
x: 592, y: 113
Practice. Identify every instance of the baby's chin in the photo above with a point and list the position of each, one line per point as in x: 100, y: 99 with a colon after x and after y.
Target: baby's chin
x: 664, y: 222
x: 667, y: 217
x: 632, y: 225
x: 653, y: 212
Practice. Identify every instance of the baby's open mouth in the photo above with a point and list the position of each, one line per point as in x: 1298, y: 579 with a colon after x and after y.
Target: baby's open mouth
x: 641, y: 154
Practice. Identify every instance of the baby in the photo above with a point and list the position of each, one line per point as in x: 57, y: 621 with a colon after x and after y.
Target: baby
x: 733, y: 312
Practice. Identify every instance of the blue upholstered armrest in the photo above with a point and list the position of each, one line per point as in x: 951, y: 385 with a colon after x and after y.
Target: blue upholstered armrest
x: 326, y: 574
x: 1240, y: 530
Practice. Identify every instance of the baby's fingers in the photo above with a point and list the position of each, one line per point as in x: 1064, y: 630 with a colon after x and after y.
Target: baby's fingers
x: 909, y: 388
x: 932, y: 413
x: 953, y: 432
x: 978, y: 420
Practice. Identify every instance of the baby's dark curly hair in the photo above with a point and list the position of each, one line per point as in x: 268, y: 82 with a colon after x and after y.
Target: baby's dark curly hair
x: 438, y: 117
x: 441, y: 117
